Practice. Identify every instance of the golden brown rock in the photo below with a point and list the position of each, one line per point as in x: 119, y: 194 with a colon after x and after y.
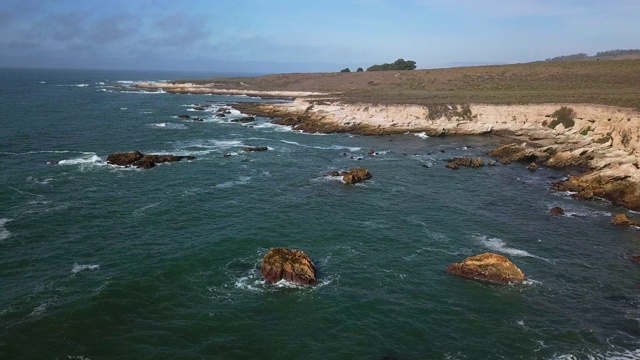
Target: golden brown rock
x: 355, y: 175
x: 288, y: 264
x: 466, y: 161
x: 618, y: 184
x: 622, y: 219
x: 488, y: 267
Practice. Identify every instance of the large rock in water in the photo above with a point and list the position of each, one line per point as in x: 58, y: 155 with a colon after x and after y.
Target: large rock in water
x: 622, y: 219
x: 466, y: 161
x: 288, y: 264
x: 355, y: 175
x: 140, y: 160
x: 488, y: 267
x: 616, y: 183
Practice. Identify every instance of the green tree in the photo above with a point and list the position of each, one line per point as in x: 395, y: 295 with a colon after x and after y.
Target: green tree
x: 399, y: 64
x: 359, y: 70
x: 345, y: 70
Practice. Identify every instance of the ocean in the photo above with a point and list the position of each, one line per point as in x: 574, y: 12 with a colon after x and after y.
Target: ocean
x: 102, y: 262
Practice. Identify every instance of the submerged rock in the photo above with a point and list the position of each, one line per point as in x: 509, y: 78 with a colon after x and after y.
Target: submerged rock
x: 533, y: 166
x: 288, y: 264
x: 488, y: 267
x: 557, y: 211
x: 140, y: 160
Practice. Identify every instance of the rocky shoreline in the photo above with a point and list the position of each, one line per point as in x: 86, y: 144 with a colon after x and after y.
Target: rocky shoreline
x: 602, y: 140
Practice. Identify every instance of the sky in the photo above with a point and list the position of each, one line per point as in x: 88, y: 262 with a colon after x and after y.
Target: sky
x: 273, y: 36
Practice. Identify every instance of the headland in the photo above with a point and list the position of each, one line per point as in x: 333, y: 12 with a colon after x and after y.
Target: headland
x: 559, y: 115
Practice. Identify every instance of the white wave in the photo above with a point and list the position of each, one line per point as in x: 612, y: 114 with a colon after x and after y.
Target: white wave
x: 4, y: 233
x: 123, y: 108
x: 172, y: 126
x: 81, y: 85
x: 623, y: 354
x: 87, y: 160
x: 274, y: 127
x: 43, y: 82
x: 40, y: 308
x: 499, y: 245
x: 78, y: 268
x: 242, y: 180
x: 332, y: 147
x: 422, y: 135
x: 105, y: 90
x: 126, y: 82
x: 143, y: 92
x: 33, y: 180
x: 143, y: 209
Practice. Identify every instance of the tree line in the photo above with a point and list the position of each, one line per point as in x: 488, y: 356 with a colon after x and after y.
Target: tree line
x: 399, y: 64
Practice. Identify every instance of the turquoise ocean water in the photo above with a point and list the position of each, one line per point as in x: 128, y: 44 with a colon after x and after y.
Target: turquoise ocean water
x: 100, y: 262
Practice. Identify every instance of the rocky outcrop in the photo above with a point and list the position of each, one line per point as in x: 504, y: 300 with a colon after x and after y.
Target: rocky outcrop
x: 244, y: 119
x: 140, y: 160
x: 622, y: 219
x: 466, y: 161
x: 353, y: 176
x: 254, y: 148
x: 287, y: 264
x: 488, y: 267
x: 617, y: 183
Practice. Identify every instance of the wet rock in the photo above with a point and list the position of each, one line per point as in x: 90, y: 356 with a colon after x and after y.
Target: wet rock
x: 184, y: 116
x: 622, y: 219
x: 197, y: 119
x: 355, y: 175
x: 199, y: 108
x: 255, y: 148
x: 488, y: 267
x: 617, y: 183
x: 124, y: 159
x: 533, y: 166
x: 52, y: 162
x: 371, y: 152
x: 140, y: 160
x: 466, y: 161
x: 244, y: 119
x: 635, y: 258
x: 557, y: 211
x: 334, y: 173
x: 288, y: 264
x: 220, y: 115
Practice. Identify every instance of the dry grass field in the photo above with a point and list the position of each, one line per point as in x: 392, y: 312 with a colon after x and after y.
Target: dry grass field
x: 612, y: 82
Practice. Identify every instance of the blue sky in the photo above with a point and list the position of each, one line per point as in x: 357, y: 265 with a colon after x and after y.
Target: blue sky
x: 306, y: 35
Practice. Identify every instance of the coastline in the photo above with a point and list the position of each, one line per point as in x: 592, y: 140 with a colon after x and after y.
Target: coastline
x: 601, y: 139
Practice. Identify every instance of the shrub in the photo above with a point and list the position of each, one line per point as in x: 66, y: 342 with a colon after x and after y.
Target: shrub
x: 564, y: 116
x: 437, y: 111
x: 345, y: 70
x: 585, y: 131
x: 359, y: 70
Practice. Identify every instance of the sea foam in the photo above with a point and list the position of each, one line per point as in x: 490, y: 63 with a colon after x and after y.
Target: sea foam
x: 78, y: 268
x: 4, y: 233
x: 499, y: 245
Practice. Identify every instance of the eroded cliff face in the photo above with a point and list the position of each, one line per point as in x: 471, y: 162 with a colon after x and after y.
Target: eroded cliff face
x: 609, y: 134
x: 602, y: 139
